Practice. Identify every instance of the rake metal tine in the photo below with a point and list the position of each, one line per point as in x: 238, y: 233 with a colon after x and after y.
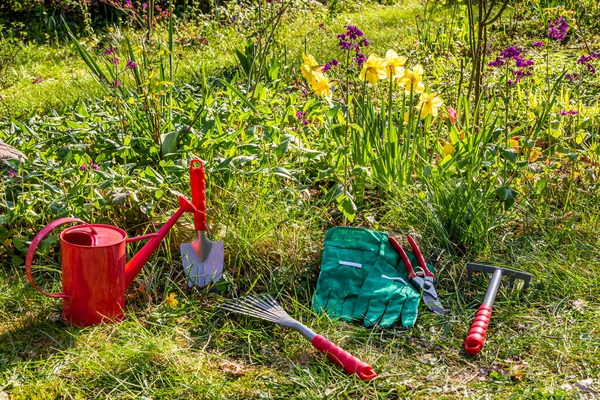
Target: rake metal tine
x: 269, y: 304
x: 255, y: 304
x: 240, y: 309
x: 266, y: 307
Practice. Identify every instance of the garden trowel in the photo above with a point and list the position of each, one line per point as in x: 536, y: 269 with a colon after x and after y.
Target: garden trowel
x: 202, y: 259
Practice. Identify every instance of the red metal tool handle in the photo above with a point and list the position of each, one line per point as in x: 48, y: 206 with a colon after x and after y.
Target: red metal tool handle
x: 198, y: 182
x: 476, y: 337
x: 34, y: 244
x: 403, y: 257
x: 419, y: 255
x: 351, y: 364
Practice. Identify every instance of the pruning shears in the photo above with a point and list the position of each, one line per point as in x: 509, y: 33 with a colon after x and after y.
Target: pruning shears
x: 422, y: 283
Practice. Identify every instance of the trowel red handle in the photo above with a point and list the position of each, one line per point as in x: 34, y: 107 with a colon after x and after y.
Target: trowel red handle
x: 351, y: 364
x: 198, y: 182
x: 476, y: 337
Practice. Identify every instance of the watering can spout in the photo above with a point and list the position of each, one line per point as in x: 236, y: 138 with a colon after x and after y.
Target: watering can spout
x: 135, y: 265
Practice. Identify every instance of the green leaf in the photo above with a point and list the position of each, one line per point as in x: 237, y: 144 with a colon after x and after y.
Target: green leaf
x: 19, y: 244
x: 347, y: 207
x: 240, y: 95
x: 169, y: 142
x: 507, y: 194
x: 509, y: 154
x: 16, y: 260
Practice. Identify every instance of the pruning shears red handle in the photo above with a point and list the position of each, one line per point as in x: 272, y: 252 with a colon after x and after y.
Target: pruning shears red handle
x: 406, y: 261
x: 424, y: 284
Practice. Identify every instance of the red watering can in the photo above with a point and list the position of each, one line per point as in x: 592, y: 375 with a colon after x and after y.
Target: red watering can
x: 94, y: 269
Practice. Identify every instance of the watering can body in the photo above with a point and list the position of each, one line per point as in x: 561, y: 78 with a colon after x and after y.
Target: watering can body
x: 95, y: 273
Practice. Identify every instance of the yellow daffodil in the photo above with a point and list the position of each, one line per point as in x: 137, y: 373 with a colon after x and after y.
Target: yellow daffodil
x: 448, y: 149
x: 394, y: 65
x: 429, y: 104
x: 413, y: 79
x: 373, y: 70
x: 322, y: 86
x: 310, y: 68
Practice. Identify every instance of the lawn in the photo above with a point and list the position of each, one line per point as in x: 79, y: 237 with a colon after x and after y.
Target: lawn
x: 502, y: 170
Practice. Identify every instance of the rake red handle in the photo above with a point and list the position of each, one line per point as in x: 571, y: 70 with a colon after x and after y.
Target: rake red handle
x: 351, y: 364
x: 476, y: 337
x: 198, y: 183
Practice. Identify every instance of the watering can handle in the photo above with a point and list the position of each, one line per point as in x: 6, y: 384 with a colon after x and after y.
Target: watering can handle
x: 36, y: 241
x: 198, y: 182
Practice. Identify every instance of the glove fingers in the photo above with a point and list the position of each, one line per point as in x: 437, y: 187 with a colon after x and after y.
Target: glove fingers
x: 411, y: 307
x: 376, y: 301
x: 395, y: 304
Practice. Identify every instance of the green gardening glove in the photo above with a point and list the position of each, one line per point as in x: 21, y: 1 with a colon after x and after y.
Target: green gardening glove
x: 387, y: 294
x: 349, y: 255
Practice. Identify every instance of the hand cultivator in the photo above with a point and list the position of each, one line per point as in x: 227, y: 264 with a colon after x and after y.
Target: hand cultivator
x: 476, y: 337
x: 265, y: 307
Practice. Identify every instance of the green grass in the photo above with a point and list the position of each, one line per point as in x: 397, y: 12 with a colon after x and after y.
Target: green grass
x: 541, y: 342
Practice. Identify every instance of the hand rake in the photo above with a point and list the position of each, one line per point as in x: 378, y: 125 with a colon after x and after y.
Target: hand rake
x: 265, y: 307
x: 476, y: 337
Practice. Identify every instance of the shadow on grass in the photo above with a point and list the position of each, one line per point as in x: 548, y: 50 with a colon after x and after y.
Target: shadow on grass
x: 33, y: 338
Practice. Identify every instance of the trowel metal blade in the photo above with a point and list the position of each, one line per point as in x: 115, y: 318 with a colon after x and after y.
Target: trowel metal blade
x: 201, y: 273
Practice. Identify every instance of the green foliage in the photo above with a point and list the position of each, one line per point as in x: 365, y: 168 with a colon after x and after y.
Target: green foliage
x: 516, y: 185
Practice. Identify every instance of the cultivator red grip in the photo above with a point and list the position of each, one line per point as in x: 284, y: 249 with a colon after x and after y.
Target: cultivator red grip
x: 476, y: 337
x: 341, y: 357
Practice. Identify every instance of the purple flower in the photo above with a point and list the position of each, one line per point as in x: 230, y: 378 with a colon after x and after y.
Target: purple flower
x: 572, y: 77
x: 115, y: 60
x: 510, y: 52
x: 584, y: 59
x: 353, y: 32
x: 203, y: 40
x: 302, y: 116
x: 565, y: 113
x: 360, y: 59
x: 115, y: 84
x: 590, y: 68
x: 587, y: 62
x: 12, y: 173
x: 330, y: 65
x: 345, y: 45
x: 109, y: 51
x: 128, y: 4
x: 131, y: 65
x: 522, y: 63
x: 496, y: 63
x: 92, y: 165
x: 537, y: 44
x: 352, y: 39
x: 37, y: 80
x: 144, y: 5
x: 558, y: 29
